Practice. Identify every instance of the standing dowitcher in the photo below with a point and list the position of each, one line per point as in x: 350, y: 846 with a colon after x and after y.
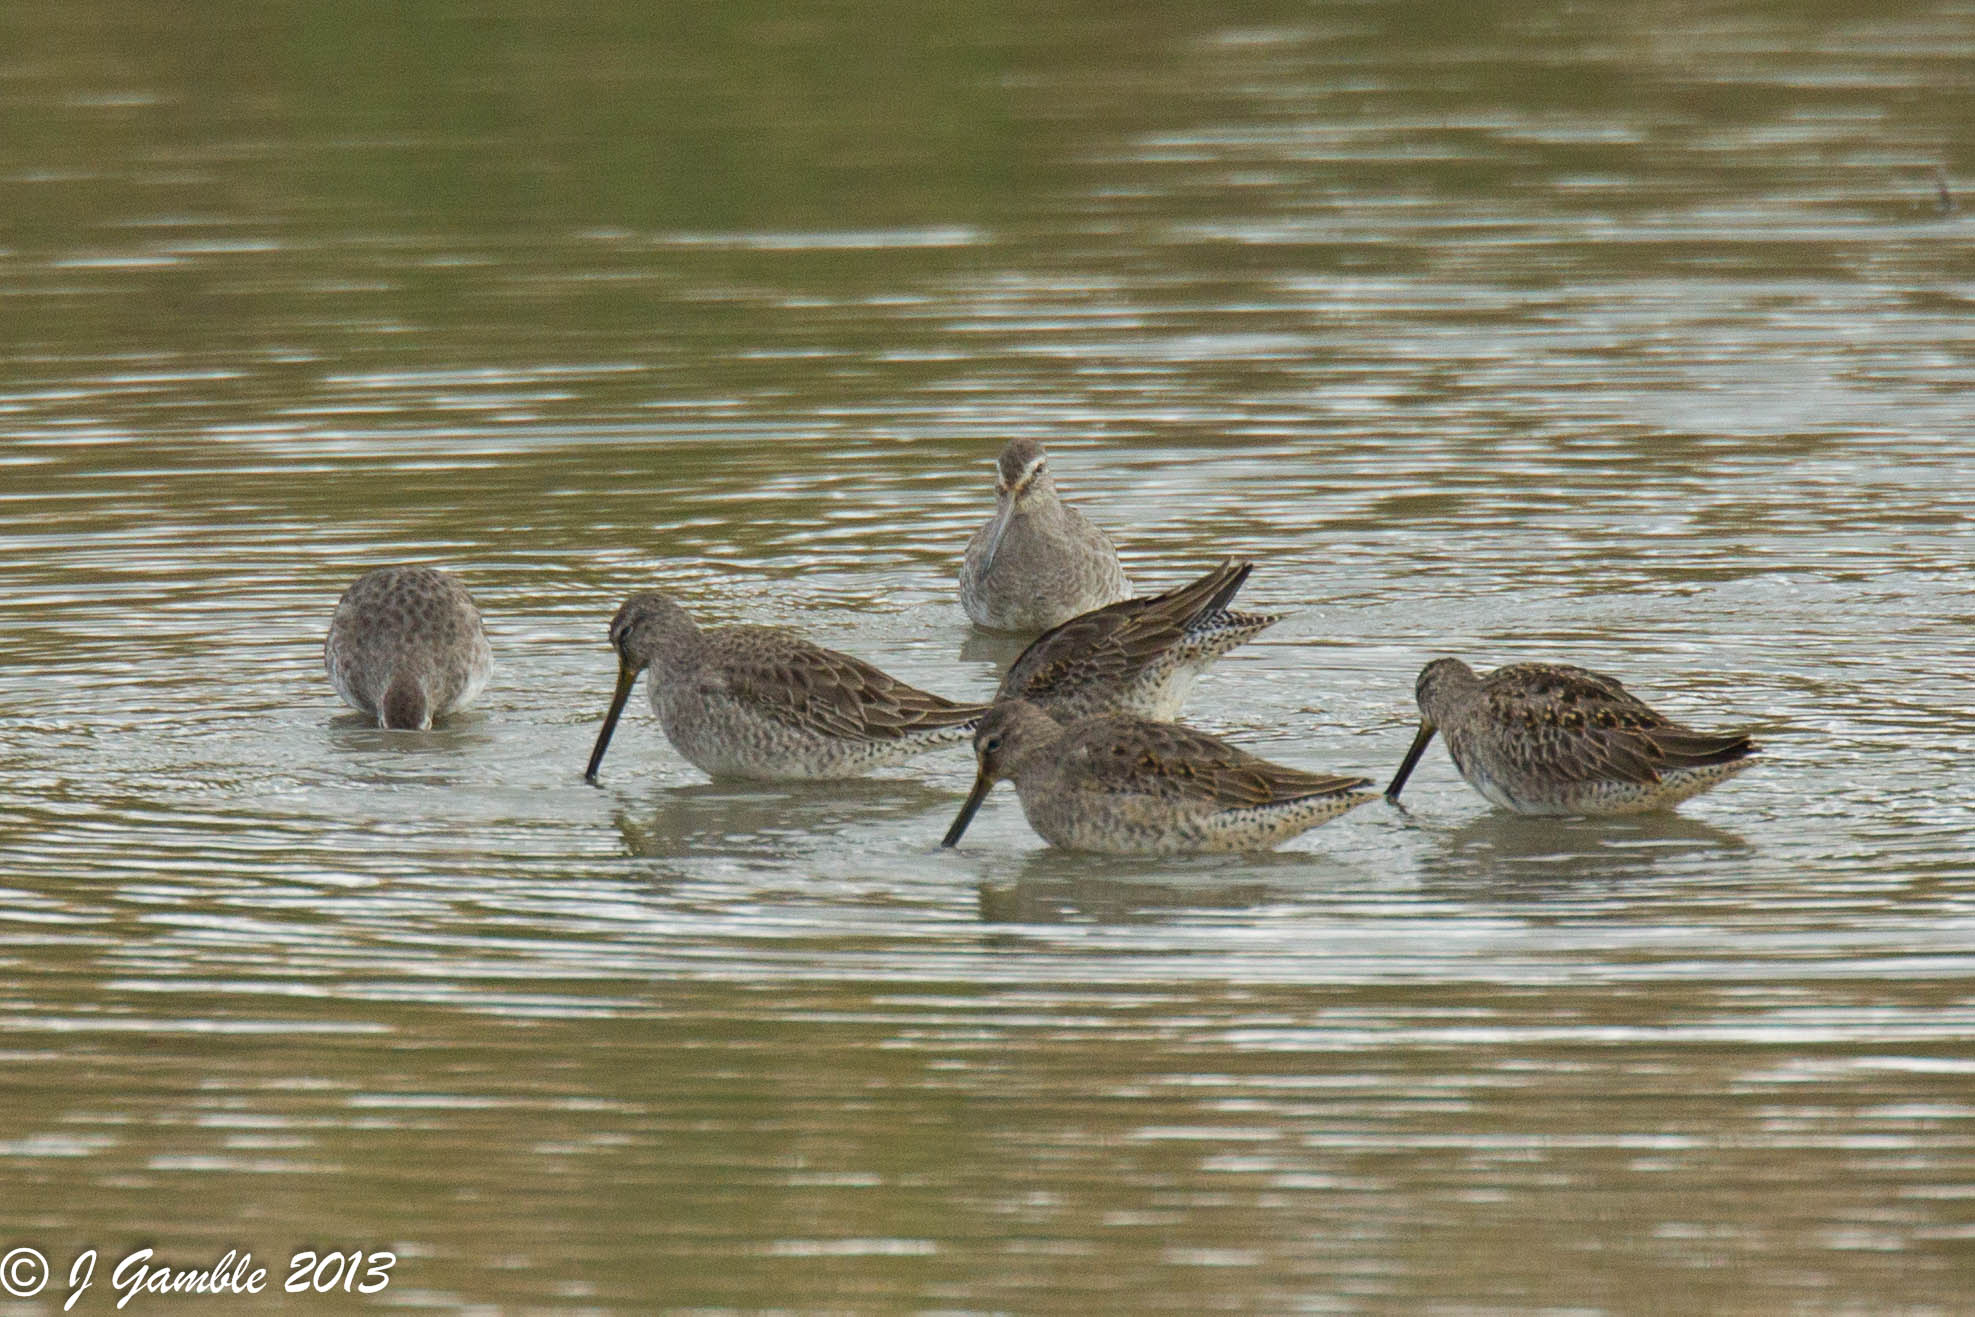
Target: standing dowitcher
x: 1546, y: 738
x: 763, y: 703
x: 1125, y: 785
x: 406, y: 646
x: 1140, y: 656
x: 1038, y: 561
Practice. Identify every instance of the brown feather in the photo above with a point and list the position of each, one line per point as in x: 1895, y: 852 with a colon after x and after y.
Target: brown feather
x: 1577, y: 725
x: 1086, y: 664
x: 1127, y: 753
x: 796, y: 681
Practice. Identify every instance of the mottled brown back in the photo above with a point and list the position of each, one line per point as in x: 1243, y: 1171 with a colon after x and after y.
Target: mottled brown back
x: 1120, y: 752
x: 1572, y: 723
x: 782, y: 676
x: 1107, y: 645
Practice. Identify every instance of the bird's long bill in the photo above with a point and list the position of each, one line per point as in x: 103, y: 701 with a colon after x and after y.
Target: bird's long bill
x: 1412, y: 758
x: 627, y: 677
x: 997, y: 529
x: 967, y: 811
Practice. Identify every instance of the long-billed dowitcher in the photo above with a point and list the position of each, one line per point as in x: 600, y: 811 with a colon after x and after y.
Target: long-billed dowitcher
x: 406, y: 646
x: 1038, y: 561
x: 1547, y: 738
x: 763, y: 703
x: 1130, y: 786
x: 1139, y: 656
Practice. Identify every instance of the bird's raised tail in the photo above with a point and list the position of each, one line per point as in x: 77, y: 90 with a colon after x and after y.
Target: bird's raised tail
x: 1683, y: 747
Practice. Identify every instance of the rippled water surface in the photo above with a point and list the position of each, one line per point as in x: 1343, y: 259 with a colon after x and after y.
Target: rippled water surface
x: 1639, y: 338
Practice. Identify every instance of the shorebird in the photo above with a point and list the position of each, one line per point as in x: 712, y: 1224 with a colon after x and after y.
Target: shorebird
x: 1125, y: 785
x: 1547, y: 738
x: 406, y: 646
x: 763, y: 703
x: 1038, y: 561
x: 1139, y: 656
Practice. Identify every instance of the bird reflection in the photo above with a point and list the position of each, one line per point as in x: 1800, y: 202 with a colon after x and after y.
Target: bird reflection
x: 461, y: 735
x: 1501, y: 848
x: 998, y: 648
x: 780, y: 821
x: 1053, y: 887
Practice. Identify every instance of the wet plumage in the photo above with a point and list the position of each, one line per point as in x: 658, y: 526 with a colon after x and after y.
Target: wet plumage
x: 1545, y: 738
x: 406, y: 646
x: 763, y: 703
x: 1038, y: 561
x: 1127, y: 785
x: 1139, y: 656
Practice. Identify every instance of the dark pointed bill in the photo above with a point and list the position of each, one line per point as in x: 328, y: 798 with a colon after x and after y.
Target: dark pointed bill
x: 967, y: 811
x: 997, y: 530
x: 627, y: 677
x: 1412, y: 758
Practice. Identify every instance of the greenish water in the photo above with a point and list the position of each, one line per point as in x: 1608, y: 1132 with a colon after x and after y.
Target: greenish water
x: 1631, y: 337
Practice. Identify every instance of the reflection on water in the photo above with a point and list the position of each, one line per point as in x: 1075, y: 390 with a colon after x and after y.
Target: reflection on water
x: 1051, y: 887
x: 1632, y: 338
x: 778, y: 821
x: 993, y: 651
x: 1530, y: 855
